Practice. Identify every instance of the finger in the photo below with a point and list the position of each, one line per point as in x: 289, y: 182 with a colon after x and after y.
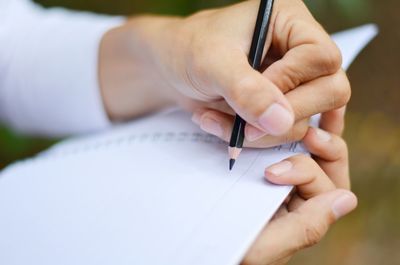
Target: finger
x: 226, y: 72
x: 304, y: 173
x: 256, y: 137
x: 320, y: 95
x: 331, y: 153
x: 214, y: 122
x: 296, y: 202
x: 333, y: 121
x: 324, y: 145
x: 220, y: 125
x: 308, y: 51
x: 255, y: 98
x: 302, y: 228
x: 195, y: 105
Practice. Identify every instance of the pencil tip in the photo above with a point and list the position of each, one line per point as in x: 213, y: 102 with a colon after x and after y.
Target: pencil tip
x: 231, y: 163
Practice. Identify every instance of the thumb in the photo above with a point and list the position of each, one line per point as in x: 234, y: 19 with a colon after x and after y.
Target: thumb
x: 302, y: 228
x: 312, y: 220
x: 255, y: 98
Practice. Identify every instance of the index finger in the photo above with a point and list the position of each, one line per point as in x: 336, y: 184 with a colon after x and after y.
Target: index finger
x: 302, y: 172
x: 307, y: 50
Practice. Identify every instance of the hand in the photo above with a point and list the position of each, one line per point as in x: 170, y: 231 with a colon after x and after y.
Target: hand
x: 321, y: 196
x: 201, y: 62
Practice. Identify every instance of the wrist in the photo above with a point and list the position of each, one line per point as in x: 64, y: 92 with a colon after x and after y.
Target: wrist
x: 132, y: 74
x: 167, y: 41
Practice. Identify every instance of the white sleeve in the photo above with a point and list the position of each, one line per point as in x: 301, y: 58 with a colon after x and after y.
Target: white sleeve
x: 49, y: 69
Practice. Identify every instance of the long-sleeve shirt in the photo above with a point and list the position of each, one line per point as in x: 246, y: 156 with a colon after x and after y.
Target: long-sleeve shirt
x: 49, y: 81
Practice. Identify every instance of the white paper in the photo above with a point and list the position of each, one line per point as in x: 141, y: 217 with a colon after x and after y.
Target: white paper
x: 156, y: 191
x: 353, y: 41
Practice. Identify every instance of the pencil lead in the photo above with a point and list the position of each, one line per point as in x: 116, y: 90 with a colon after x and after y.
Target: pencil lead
x: 231, y: 163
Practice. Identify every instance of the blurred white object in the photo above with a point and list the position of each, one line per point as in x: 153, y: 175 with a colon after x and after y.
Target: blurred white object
x: 352, y: 42
x: 49, y: 70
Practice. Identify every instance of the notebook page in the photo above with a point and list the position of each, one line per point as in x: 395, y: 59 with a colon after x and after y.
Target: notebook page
x: 153, y: 192
x: 142, y: 202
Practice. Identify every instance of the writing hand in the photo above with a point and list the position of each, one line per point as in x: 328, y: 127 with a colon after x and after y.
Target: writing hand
x: 201, y: 62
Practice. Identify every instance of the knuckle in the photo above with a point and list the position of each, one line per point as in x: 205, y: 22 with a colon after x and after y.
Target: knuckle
x: 297, y: 133
x: 342, y: 150
x: 312, y: 235
x: 313, y: 231
x: 341, y: 90
x: 290, y: 77
x: 331, y: 57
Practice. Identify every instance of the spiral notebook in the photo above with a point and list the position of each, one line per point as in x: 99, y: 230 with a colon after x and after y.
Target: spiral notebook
x: 156, y: 191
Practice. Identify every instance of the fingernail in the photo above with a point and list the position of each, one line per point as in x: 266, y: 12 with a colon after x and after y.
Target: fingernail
x: 323, y: 136
x: 280, y: 168
x: 211, y: 126
x: 253, y: 134
x: 276, y: 120
x: 196, y: 118
x: 344, y: 205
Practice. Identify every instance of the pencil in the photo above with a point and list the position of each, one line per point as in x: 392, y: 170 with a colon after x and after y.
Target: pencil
x: 255, y: 60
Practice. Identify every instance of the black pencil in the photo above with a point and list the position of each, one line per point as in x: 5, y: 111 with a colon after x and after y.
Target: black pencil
x: 255, y: 60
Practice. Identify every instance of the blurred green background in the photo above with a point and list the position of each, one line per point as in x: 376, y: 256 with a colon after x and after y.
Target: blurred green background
x: 371, y: 235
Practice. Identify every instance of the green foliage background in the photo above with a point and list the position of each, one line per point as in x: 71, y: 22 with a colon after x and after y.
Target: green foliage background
x: 371, y: 235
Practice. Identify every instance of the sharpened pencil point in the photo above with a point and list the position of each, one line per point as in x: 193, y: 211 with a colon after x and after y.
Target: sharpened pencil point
x: 231, y: 163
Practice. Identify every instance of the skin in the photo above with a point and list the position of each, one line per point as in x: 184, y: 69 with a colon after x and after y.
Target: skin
x: 200, y: 63
x: 322, y: 196
x: 322, y: 185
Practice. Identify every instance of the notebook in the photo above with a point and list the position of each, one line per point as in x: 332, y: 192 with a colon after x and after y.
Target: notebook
x: 155, y: 191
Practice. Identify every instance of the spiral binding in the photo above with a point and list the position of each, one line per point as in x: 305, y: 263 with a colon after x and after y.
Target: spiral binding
x: 68, y: 149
